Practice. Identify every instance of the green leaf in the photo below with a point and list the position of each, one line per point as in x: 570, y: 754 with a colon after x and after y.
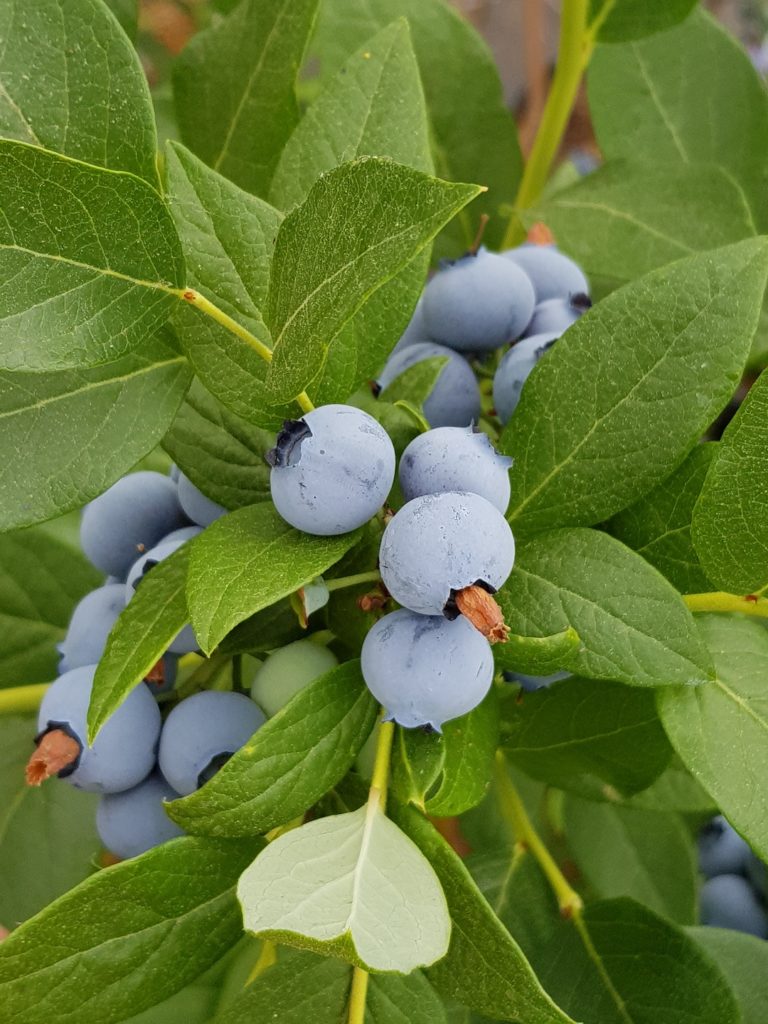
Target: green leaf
x: 678, y: 344
x: 228, y: 237
x: 538, y: 655
x: 265, y: 631
x: 234, y: 88
x: 68, y: 436
x: 689, y: 95
x: 417, y: 763
x: 360, y: 224
x: 47, y: 834
x: 415, y: 385
x: 622, y: 851
x: 626, y: 219
x: 41, y: 581
x: 293, y: 760
x: 469, y: 745
x: 473, y: 132
x: 127, y: 938
x: 674, y: 790
x: 127, y: 13
x: 485, y: 968
x: 633, y: 625
x: 73, y: 83
x: 330, y: 885
x: 221, y: 453
x: 599, y: 739
x: 88, y: 260
x: 721, y: 730
x: 249, y: 560
x: 743, y: 959
x: 730, y: 519
x: 140, y: 637
x: 620, y: 20
x: 658, y: 526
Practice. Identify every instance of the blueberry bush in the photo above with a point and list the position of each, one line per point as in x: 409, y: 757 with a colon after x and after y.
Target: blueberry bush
x: 385, y: 522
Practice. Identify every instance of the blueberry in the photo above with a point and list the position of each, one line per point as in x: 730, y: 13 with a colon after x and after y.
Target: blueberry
x: 129, y: 518
x: 185, y: 642
x: 331, y: 470
x: 722, y: 851
x: 425, y: 669
x: 132, y: 822
x: 91, y: 622
x: 756, y: 873
x: 532, y: 683
x: 161, y: 678
x: 287, y: 671
x: 478, y: 302
x: 415, y: 332
x: 202, y: 733
x: 553, y: 316
x: 552, y: 274
x: 455, y: 459
x: 455, y: 398
x: 728, y: 901
x: 122, y: 754
x: 182, y: 534
x: 199, y: 509
x: 441, y: 543
x: 514, y: 370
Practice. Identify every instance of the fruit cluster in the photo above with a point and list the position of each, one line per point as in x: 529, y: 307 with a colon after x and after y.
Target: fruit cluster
x: 734, y: 894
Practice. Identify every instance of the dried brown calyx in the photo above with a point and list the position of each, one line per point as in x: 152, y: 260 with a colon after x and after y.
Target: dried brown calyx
x: 56, y: 751
x: 480, y: 607
x: 156, y: 675
x: 540, y: 234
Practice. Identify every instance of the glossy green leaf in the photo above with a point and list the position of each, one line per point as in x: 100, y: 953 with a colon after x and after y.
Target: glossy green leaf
x: 228, y: 237
x: 234, y: 88
x: 41, y: 581
x: 688, y: 95
x: 633, y: 625
x: 674, y: 341
x: 619, y: 20
x: 469, y: 746
x: 86, y: 428
x: 473, y: 133
x: 290, y: 762
x: 730, y: 519
x: 538, y: 655
x: 272, y: 627
x: 743, y: 959
x: 249, y: 560
x: 127, y: 938
x: 485, y: 968
x: 360, y: 225
x: 47, y: 835
x: 127, y: 13
x: 88, y: 259
x: 141, y: 635
x: 599, y: 739
x: 221, y: 453
x: 658, y: 526
x: 674, y: 790
x: 72, y: 82
x: 720, y: 730
x: 626, y: 219
x: 622, y: 851
x: 417, y: 763
x: 329, y: 884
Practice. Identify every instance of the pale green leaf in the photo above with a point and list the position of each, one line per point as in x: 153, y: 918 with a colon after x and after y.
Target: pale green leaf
x: 743, y: 959
x: 352, y: 884
x: 619, y: 20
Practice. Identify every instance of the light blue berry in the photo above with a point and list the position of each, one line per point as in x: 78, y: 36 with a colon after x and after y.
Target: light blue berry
x: 552, y: 274
x: 455, y: 459
x: 477, y: 303
x: 532, y: 683
x: 553, y: 316
x: 514, y: 370
x: 90, y: 625
x: 132, y: 822
x: 722, y: 851
x: 185, y: 641
x: 331, y: 470
x: 415, y: 332
x: 455, y: 398
x: 728, y: 901
x: 199, y: 509
x: 123, y: 752
x: 425, y: 669
x: 441, y: 543
x: 202, y: 733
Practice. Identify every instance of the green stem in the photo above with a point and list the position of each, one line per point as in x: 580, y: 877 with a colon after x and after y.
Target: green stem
x: 527, y: 837
x: 352, y: 581
x: 719, y: 601
x: 267, y: 957
x: 377, y: 796
x: 207, y: 307
x: 574, y: 50
x: 21, y: 699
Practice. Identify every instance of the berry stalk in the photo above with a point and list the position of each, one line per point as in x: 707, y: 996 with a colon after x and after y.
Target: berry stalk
x: 17, y: 700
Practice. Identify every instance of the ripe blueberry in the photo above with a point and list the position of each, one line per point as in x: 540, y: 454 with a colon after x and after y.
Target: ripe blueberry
x: 134, y: 821
x: 553, y: 275
x: 728, y: 901
x: 199, y: 509
x: 553, y: 316
x: 90, y: 625
x: 722, y: 851
x: 455, y: 398
x: 514, y: 370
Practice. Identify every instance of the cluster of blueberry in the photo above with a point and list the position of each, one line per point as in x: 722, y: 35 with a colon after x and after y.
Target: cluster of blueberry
x: 735, y: 892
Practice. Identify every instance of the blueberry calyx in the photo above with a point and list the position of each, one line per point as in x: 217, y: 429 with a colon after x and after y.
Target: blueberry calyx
x: 287, y: 450
x: 451, y: 609
x: 64, y: 727
x: 217, y: 762
x: 580, y: 302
